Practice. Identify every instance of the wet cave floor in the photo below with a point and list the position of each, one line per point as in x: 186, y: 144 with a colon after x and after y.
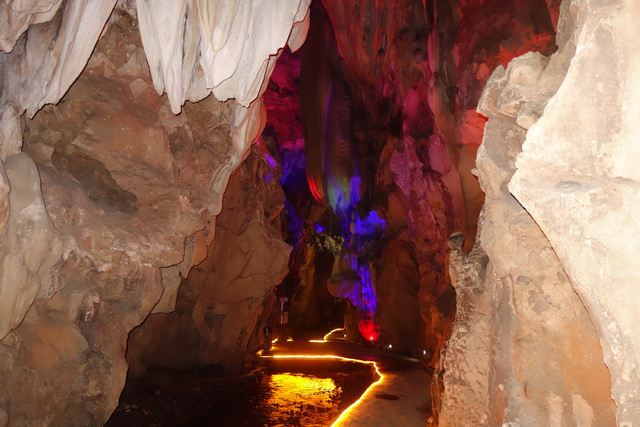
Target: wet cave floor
x: 288, y: 391
x: 308, y: 396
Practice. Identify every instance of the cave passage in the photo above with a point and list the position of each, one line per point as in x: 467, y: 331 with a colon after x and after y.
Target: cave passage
x: 285, y: 393
x: 449, y: 182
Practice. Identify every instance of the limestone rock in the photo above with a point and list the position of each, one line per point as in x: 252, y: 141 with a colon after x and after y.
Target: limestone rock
x: 43, y: 64
x: 128, y: 181
x: 511, y: 306
x: 236, y: 43
x: 224, y: 300
x: 459, y: 380
x: 4, y: 199
x: 195, y: 251
x: 429, y: 213
x: 419, y: 68
x: 577, y: 178
x: 16, y: 17
x: 31, y: 250
x: 177, y: 38
x: 398, y: 288
x: 499, y: 365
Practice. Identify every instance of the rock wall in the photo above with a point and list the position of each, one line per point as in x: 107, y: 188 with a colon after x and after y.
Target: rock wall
x: 537, y: 324
x: 109, y: 198
x: 418, y: 69
x: 103, y: 195
x: 585, y: 199
x: 224, y: 301
x: 313, y: 309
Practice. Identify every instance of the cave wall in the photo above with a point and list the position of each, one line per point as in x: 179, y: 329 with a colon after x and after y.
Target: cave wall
x: 224, y: 301
x: 543, y: 333
x: 523, y: 348
x: 418, y: 69
x: 109, y: 197
x: 585, y: 199
x: 527, y: 279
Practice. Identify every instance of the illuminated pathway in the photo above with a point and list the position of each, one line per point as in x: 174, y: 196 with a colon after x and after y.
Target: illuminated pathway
x: 399, y: 398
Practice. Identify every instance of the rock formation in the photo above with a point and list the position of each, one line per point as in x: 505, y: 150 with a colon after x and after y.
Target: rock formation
x: 224, y: 300
x: 500, y: 365
x: 121, y: 123
x: 100, y: 212
x: 549, y: 310
x: 415, y: 71
x: 585, y: 197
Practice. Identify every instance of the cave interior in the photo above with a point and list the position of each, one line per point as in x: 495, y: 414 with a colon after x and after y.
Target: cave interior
x: 452, y: 181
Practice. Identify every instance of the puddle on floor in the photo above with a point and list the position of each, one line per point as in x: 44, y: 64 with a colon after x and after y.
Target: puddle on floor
x: 309, y: 393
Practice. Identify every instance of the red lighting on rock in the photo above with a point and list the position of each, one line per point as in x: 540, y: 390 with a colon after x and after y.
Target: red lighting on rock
x: 369, y: 329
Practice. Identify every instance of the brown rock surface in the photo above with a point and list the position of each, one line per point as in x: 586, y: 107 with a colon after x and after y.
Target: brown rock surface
x: 224, y: 300
x: 45, y: 61
x: 524, y: 350
x: 578, y: 179
x: 31, y: 249
x: 126, y: 181
x: 115, y: 198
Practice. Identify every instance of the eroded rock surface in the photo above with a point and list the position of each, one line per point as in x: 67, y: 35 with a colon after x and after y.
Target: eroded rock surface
x: 415, y: 71
x: 224, y: 301
x: 127, y: 192
x: 524, y: 350
x: 31, y: 248
x: 122, y: 188
x: 578, y: 179
x: 45, y: 60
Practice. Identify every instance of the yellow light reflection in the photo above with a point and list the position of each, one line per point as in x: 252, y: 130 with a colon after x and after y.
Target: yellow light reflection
x: 289, y: 389
x: 345, y: 414
x: 317, y: 341
x: 326, y: 337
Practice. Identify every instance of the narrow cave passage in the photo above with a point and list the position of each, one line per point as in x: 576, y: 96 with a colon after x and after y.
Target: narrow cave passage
x: 448, y: 182
x: 360, y: 172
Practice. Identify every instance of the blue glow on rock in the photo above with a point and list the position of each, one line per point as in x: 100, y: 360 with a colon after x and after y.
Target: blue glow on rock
x: 272, y: 162
x: 319, y: 228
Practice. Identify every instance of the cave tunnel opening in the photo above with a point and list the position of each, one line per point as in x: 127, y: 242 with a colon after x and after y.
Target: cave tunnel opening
x: 315, y: 193
x: 364, y: 169
x: 387, y: 179
x: 329, y: 146
x: 390, y: 134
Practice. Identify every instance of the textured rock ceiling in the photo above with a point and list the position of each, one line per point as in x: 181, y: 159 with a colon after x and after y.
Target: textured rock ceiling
x: 193, y: 48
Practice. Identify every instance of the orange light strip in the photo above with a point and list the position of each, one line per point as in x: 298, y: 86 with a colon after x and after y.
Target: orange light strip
x: 344, y: 415
x: 335, y: 330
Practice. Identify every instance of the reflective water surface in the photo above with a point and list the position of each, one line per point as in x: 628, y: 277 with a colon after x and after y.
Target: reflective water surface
x: 301, y: 394
x: 286, y: 393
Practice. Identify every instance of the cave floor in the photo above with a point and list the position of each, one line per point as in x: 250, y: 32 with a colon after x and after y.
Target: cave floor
x: 401, y: 398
